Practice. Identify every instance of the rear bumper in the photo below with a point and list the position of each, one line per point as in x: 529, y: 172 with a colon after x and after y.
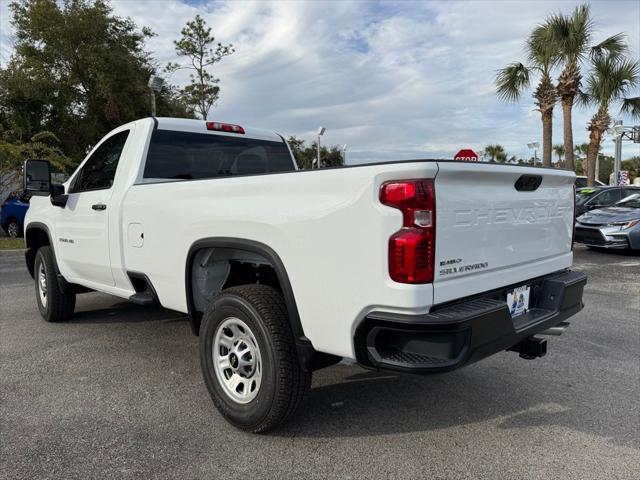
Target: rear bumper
x: 454, y: 335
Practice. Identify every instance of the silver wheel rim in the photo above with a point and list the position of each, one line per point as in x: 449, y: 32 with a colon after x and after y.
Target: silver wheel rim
x: 237, y: 360
x: 12, y: 229
x: 42, y: 285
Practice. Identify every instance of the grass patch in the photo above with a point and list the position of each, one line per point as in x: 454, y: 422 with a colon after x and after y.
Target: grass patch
x: 7, y: 243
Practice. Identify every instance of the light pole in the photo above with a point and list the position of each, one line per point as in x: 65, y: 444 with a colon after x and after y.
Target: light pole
x: 534, y: 146
x: 617, y: 131
x: 155, y: 84
x: 321, y: 131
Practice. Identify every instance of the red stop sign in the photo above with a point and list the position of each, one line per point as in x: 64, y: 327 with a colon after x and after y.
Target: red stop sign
x: 466, y: 154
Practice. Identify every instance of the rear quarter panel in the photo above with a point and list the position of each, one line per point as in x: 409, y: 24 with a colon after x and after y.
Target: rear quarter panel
x: 327, y: 227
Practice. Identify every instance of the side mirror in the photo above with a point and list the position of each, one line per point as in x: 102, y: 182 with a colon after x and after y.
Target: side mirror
x: 58, y: 197
x: 37, y: 177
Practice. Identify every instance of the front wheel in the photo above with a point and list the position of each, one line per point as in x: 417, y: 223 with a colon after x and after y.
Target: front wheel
x: 249, y: 358
x: 54, y: 304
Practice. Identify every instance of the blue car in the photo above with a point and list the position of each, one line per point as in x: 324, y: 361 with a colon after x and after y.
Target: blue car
x: 14, y: 208
x: 617, y: 226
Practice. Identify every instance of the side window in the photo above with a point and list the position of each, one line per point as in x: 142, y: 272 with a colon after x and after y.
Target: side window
x: 99, y: 170
x: 606, y: 198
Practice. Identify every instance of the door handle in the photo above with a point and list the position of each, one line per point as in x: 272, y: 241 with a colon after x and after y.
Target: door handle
x: 99, y: 206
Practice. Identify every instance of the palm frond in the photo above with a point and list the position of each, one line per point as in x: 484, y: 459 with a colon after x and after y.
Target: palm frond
x: 571, y: 34
x: 582, y: 99
x: 612, y: 79
x: 580, y: 30
x: 542, y: 50
x: 613, y: 47
x: 512, y: 80
x: 631, y: 106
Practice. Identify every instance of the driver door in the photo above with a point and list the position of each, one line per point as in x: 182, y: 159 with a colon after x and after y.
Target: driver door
x: 82, y: 227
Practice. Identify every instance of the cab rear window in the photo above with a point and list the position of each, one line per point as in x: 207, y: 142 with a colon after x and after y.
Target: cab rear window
x: 191, y: 156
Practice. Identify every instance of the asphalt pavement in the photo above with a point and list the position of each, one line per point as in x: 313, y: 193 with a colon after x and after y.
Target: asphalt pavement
x: 117, y: 393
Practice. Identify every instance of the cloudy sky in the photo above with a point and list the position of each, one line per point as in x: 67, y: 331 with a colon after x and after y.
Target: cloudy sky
x: 393, y: 80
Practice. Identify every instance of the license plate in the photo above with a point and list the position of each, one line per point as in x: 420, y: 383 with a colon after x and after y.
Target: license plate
x: 518, y: 300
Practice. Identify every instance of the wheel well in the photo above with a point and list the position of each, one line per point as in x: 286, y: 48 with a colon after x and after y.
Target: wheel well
x: 214, y: 264
x: 214, y: 269
x: 35, y: 237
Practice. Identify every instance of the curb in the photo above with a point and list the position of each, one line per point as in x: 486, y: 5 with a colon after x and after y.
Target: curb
x: 12, y: 253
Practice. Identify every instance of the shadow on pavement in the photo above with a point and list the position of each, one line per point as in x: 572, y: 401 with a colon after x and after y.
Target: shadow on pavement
x: 372, y: 403
x: 125, y: 312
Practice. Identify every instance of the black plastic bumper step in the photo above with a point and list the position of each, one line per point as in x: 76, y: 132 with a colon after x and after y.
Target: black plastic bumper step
x: 143, y: 298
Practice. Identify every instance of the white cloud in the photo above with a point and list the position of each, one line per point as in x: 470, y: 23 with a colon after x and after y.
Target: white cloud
x: 391, y: 79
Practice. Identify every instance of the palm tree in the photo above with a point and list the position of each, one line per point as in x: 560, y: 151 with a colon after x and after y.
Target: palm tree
x: 612, y: 78
x: 572, y: 36
x: 559, y: 151
x: 495, y: 152
x: 513, y: 79
x: 580, y: 154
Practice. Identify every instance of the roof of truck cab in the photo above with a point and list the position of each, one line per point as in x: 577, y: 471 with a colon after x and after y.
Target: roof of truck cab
x: 200, y: 126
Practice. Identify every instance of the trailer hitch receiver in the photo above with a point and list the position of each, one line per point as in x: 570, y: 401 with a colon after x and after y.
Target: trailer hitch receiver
x: 530, y: 348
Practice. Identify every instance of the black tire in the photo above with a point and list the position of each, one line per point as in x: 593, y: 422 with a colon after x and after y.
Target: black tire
x: 58, y: 305
x: 284, y: 384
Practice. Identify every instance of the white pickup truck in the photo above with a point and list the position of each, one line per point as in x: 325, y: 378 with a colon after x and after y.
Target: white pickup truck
x: 416, y: 266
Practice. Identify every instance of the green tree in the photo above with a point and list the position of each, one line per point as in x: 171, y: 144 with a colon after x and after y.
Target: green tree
x: 580, y: 158
x: 41, y: 146
x: 581, y: 150
x: 605, y: 168
x: 196, y: 44
x: 77, y: 71
x: 559, y: 150
x: 612, y: 78
x: 512, y: 80
x: 306, y: 155
x: 495, y: 153
x: 571, y: 35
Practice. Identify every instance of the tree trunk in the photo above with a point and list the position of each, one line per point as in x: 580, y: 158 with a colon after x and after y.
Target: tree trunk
x: 599, y: 124
x: 567, y: 107
x: 595, y: 137
x: 547, y: 131
x: 567, y: 89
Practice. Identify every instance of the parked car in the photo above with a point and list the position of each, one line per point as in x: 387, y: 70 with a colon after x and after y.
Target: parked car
x: 611, y: 227
x: 14, y: 209
x: 590, y: 198
x: 582, y: 182
x: 419, y: 266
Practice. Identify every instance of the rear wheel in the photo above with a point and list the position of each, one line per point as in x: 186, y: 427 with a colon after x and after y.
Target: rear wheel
x: 54, y: 304
x: 249, y: 359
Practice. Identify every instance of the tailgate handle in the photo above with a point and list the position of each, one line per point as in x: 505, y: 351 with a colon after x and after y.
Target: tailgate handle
x: 528, y: 183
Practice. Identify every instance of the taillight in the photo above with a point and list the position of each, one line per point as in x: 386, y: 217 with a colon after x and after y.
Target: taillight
x: 224, y: 127
x: 412, y: 248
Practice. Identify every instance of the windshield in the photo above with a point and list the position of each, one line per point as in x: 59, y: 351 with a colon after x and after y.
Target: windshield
x: 632, y: 201
x: 584, y: 194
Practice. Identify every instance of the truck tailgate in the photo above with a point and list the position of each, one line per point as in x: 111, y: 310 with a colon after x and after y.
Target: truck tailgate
x: 492, y: 233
